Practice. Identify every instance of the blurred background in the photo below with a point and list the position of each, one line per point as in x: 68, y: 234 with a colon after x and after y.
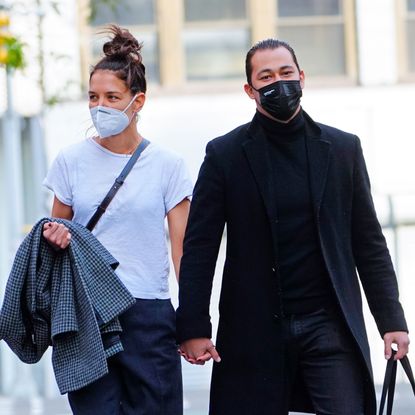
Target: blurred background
x: 359, y: 61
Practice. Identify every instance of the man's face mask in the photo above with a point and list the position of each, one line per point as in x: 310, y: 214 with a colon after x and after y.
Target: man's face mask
x: 281, y: 99
x: 110, y: 121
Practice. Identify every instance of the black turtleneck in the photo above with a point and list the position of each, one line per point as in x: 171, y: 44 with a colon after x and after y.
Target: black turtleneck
x: 303, y: 277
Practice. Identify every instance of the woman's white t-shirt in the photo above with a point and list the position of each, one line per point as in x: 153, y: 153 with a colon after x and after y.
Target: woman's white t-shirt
x: 133, y: 227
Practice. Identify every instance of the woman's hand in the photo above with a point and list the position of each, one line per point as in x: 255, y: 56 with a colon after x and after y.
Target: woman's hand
x: 57, y: 235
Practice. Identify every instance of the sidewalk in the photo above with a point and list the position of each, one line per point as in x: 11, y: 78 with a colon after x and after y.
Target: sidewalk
x: 195, y: 404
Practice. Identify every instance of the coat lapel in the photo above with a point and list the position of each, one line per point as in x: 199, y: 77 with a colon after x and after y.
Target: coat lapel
x: 256, y: 151
x: 318, y: 153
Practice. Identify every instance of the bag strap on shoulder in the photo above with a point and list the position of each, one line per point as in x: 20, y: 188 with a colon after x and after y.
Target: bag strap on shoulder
x: 119, y: 181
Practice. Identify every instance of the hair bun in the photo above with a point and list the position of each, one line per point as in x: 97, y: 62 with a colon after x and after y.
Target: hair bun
x: 122, y: 45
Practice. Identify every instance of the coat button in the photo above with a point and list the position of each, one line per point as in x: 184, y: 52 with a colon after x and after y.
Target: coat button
x: 276, y: 316
x: 273, y: 269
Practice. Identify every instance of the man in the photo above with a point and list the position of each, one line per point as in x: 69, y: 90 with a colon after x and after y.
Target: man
x: 295, y: 198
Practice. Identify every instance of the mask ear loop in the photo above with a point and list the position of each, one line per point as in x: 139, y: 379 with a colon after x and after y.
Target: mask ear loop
x: 253, y: 88
x: 131, y: 102
x: 135, y: 115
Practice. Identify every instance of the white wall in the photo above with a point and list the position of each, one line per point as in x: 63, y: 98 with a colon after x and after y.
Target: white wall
x: 377, y: 42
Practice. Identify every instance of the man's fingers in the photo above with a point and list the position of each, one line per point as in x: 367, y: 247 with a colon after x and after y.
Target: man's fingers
x: 402, y: 350
x: 398, y: 338
x: 400, y: 354
x: 214, y: 353
x: 388, y: 348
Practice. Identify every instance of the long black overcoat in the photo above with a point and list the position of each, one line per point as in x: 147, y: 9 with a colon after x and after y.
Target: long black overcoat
x: 234, y: 188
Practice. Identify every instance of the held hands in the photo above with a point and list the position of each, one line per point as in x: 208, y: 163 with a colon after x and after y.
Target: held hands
x: 57, y: 235
x: 199, y: 351
x: 401, y: 339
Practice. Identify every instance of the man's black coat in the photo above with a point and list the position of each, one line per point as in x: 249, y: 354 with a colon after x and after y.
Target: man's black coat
x: 234, y: 188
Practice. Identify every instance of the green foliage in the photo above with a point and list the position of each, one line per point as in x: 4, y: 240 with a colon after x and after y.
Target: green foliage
x: 11, y: 51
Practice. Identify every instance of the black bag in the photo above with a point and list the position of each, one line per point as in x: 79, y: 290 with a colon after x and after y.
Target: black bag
x: 390, y: 381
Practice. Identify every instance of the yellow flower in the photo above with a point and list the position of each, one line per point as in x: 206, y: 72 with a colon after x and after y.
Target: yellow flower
x: 4, y: 19
x: 4, y: 54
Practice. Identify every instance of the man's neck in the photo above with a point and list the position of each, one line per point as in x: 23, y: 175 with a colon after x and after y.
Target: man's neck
x: 262, y: 111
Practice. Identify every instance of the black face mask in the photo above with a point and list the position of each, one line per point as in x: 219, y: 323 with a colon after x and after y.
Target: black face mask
x: 281, y: 99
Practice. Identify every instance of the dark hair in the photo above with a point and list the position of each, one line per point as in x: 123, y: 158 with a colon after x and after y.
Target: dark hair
x: 123, y: 57
x: 262, y: 45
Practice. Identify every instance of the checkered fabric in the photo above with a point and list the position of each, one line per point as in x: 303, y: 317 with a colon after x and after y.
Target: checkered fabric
x: 58, y: 298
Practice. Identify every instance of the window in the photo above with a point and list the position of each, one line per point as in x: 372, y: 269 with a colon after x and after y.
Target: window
x: 125, y: 13
x: 216, y: 37
x: 138, y: 16
x: 215, y: 54
x: 199, y: 10
x: 316, y: 29
x: 309, y: 8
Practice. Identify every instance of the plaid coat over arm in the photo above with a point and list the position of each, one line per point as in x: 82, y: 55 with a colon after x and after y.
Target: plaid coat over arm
x: 66, y: 299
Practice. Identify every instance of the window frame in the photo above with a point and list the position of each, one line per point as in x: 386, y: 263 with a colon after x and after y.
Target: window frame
x: 347, y: 18
x: 209, y: 24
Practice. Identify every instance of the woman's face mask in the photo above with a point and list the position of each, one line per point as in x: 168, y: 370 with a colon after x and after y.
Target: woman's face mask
x: 110, y: 121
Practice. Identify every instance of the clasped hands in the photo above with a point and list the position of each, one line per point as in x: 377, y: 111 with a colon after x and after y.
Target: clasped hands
x: 199, y: 351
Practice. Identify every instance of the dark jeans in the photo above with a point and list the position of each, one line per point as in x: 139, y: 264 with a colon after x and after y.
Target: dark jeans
x: 320, y: 349
x: 144, y: 379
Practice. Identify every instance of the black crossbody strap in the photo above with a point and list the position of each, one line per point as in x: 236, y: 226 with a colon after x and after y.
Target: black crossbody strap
x: 390, y: 381
x: 119, y: 181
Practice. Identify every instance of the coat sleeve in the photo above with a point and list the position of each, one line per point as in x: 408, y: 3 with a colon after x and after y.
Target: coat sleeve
x: 371, y: 254
x: 201, y: 245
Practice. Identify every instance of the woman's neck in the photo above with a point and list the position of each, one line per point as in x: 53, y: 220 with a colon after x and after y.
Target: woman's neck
x: 124, y: 143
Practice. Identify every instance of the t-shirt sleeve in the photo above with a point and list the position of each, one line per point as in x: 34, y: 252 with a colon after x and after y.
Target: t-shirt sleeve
x: 179, y: 185
x: 58, y: 181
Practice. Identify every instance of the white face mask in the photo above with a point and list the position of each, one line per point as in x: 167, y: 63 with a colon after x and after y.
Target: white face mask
x: 110, y: 121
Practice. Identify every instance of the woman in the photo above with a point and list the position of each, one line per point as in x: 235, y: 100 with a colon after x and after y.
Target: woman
x: 146, y: 377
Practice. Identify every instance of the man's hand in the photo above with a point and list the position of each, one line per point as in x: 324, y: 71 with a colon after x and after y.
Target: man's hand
x: 401, y: 339
x: 199, y: 351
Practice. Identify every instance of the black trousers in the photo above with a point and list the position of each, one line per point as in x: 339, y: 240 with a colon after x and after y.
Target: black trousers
x: 320, y: 348
x: 144, y: 379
